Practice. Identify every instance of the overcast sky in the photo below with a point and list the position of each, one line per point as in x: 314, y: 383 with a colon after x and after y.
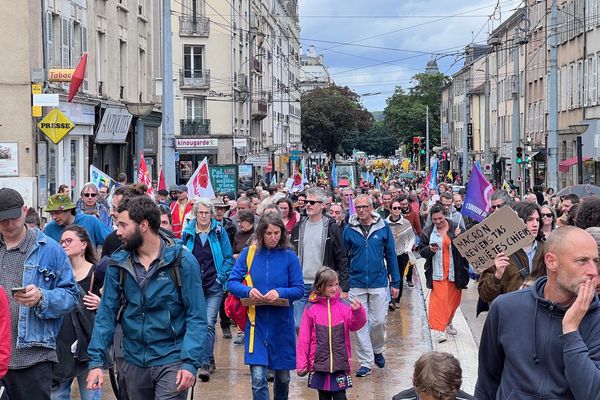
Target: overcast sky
x: 374, y: 45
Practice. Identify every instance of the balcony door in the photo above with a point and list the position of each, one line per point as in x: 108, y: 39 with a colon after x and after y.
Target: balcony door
x: 192, y: 64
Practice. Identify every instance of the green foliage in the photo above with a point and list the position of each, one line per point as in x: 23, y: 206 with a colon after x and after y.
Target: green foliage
x: 404, y: 115
x: 377, y: 141
x: 330, y: 115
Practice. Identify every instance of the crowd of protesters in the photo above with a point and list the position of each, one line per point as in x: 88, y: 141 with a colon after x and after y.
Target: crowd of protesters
x: 139, y: 282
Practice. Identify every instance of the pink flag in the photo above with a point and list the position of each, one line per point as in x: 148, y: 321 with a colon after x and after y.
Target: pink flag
x: 143, y: 175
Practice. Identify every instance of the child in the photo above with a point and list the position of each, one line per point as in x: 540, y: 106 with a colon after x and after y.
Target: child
x: 324, y: 340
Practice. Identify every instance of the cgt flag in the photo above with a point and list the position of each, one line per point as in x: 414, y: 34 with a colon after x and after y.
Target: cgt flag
x: 199, y: 183
x: 143, y: 175
x: 477, y: 202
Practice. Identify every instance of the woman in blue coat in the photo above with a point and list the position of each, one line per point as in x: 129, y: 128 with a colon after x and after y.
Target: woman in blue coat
x: 275, y: 274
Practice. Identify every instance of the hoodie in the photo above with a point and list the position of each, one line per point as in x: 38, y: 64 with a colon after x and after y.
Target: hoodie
x: 524, y: 355
x: 324, y: 337
x: 371, y: 258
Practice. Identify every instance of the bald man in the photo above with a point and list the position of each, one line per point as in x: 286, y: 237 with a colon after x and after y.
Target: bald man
x: 544, y: 341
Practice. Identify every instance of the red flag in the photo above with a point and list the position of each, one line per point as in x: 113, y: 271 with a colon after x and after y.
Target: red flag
x: 78, y: 77
x: 143, y: 175
x: 161, y: 181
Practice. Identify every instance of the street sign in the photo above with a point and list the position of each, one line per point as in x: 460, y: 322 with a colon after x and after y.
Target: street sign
x: 259, y: 160
x: 444, y: 142
x: 56, y: 125
x: 36, y: 111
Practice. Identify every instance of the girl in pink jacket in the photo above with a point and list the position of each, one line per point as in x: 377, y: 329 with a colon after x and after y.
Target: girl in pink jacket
x: 324, y: 348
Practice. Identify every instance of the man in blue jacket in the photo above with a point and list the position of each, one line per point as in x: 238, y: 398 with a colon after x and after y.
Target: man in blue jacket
x: 372, y: 257
x: 45, y: 289
x: 544, y: 342
x: 153, y: 285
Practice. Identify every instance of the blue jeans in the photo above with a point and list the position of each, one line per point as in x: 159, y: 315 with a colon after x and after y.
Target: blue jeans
x: 260, y: 387
x: 300, y: 304
x: 63, y: 390
x: 213, y: 295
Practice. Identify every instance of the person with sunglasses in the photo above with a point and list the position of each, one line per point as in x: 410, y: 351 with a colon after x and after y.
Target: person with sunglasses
x: 88, y: 204
x: 404, y: 238
x: 317, y: 240
x: 548, y: 223
x: 510, y: 273
x: 499, y: 199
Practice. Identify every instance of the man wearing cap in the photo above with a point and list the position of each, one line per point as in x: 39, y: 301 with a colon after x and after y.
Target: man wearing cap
x: 64, y: 213
x: 179, y: 209
x: 46, y: 292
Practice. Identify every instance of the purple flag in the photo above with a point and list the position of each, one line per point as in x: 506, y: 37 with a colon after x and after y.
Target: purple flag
x: 477, y: 204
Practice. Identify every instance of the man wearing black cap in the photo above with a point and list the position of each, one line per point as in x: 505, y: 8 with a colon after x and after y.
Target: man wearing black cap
x: 179, y: 209
x: 40, y: 297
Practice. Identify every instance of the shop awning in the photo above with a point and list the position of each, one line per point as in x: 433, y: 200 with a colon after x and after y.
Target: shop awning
x: 564, y: 165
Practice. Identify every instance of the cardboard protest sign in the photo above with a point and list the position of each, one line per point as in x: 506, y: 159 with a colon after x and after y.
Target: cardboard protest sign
x: 502, y: 231
x: 250, y: 301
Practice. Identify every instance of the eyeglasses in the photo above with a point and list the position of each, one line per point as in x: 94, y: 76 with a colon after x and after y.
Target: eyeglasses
x: 396, y: 208
x: 497, y: 206
x: 313, y: 202
x: 549, y: 215
x: 90, y: 194
x: 361, y: 207
x: 66, y: 241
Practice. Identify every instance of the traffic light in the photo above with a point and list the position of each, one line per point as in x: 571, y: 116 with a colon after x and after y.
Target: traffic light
x: 422, y: 149
x: 416, y: 141
x: 520, y: 155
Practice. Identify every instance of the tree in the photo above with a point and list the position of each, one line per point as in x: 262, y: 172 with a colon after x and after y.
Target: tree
x: 404, y: 114
x: 377, y: 141
x: 329, y: 115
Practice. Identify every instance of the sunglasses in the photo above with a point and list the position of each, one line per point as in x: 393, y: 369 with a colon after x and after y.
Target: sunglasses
x: 549, y: 215
x: 498, y: 206
x: 396, y: 208
x: 90, y: 194
x: 313, y: 202
x: 66, y: 241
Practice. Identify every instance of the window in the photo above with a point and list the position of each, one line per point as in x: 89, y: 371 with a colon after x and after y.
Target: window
x: 50, y: 40
x: 122, y: 69
x: 192, y: 61
x: 100, y: 61
x: 195, y: 108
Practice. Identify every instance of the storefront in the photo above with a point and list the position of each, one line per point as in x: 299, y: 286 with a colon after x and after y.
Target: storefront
x: 191, y: 152
x: 68, y: 160
x: 151, y: 139
x: 112, y: 148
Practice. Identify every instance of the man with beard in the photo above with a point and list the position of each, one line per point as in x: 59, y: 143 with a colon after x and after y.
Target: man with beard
x: 153, y: 282
x: 544, y: 341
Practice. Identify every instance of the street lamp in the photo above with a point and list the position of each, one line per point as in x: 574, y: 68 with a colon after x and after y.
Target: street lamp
x: 139, y: 110
x: 579, y: 129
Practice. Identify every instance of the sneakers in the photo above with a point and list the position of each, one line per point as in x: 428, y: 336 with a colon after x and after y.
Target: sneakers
x: 363, y: 371
x: 204, y: 373
x: 410, y: 284
x: 380, y: 360
x: 270, y: 376
x: 440, y: 336
x: 391, y: 306
x: 239, y: 339
x: 450, y: 330
x: 227, y: 333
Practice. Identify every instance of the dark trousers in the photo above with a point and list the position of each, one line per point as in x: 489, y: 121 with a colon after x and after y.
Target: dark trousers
x: 402, y: 262
x: 225, y: 320
x: 30, y: 383
x: 156, y: 383
x: 339, y: 395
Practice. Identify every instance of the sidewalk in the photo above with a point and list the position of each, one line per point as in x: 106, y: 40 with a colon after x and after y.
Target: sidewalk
x: 463, y: 346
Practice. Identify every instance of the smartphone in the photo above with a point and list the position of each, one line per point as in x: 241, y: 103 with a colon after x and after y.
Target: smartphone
x: 18, y: 290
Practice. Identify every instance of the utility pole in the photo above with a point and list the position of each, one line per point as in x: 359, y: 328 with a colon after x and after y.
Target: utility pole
x: 486, y: 143
x: 427, y: 162
x: 516, y: 120
x: 465, y: 140
x: 168, y: 126
x: 552, y: 140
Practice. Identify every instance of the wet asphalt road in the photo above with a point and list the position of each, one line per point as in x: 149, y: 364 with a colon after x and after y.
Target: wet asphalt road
x: 407, y: 338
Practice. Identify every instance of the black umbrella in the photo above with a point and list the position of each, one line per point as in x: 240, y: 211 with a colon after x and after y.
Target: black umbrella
x: 580, y: 190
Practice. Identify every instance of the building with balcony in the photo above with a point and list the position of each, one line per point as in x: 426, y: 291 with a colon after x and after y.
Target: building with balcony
x: 237, y: 81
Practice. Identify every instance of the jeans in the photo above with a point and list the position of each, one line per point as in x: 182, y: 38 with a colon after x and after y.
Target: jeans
x: 260, y: 387
x: 300, y: 304
x: 213, y: 294
x: 63, y: 390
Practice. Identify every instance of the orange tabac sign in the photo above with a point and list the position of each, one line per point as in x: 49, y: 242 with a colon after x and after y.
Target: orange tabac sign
x: 60, y: 75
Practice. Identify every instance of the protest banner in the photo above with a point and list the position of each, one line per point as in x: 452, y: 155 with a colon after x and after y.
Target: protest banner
x: 502, y: 231
x: 251, y: 301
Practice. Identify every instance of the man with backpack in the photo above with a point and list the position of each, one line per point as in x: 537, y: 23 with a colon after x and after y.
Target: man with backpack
x: 152, y: 284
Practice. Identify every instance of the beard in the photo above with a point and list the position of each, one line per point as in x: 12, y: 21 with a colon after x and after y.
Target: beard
x: 133, y: 242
